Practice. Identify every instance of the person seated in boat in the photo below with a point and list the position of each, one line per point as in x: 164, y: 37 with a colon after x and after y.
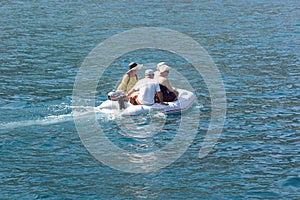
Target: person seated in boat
x: 130, y: 78
x: 169, y: 93
x: 147, y: 88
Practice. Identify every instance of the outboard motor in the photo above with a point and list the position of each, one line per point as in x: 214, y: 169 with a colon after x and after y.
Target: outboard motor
x: 117, y: 96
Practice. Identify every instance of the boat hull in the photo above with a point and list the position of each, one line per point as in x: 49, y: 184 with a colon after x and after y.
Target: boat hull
x: 184, y: 102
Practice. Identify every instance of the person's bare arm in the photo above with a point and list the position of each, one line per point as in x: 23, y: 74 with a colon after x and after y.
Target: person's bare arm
x: 160, y: 97
x: 167, y: 84
x: 130, y: 92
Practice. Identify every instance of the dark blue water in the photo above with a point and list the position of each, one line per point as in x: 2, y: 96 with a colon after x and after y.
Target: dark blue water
x: 255, y: 45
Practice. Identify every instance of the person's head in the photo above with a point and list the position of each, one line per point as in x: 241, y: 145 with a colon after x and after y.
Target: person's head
x: 163, y: 69
x: 149, y: 73
x: 134, y: 67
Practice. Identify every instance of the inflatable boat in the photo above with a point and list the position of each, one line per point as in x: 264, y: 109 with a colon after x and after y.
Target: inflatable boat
x: 114, y: 106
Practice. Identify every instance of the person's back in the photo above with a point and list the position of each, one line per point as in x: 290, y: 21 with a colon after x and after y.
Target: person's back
x: 147, y: 88
x: 130, y: 78
x: 128, y: 82
x: 169, y: 93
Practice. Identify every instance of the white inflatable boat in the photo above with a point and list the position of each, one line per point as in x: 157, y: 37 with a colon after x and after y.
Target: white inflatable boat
x: 184, y: 102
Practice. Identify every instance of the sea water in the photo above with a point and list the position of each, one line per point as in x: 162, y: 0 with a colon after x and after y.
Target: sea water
x: 254, y: 44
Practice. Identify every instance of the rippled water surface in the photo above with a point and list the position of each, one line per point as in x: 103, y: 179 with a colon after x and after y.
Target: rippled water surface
x: 255, y: 45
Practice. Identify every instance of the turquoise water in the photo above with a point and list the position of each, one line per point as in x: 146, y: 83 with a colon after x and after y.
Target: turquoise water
x: 255, y: 45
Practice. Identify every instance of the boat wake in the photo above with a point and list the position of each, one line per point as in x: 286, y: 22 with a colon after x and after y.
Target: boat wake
x: 49, y: 120
x: 140, y: 123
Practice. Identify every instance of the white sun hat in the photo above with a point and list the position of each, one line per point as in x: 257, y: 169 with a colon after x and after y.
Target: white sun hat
x: 162, y: 67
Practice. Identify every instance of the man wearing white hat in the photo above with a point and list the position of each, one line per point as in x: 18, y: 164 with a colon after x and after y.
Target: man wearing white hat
x: 147, y: 88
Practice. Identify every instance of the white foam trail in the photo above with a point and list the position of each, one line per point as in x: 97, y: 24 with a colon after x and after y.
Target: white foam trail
x: 40, y: 122
x: 56, y: 119
x: 53, y: 119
